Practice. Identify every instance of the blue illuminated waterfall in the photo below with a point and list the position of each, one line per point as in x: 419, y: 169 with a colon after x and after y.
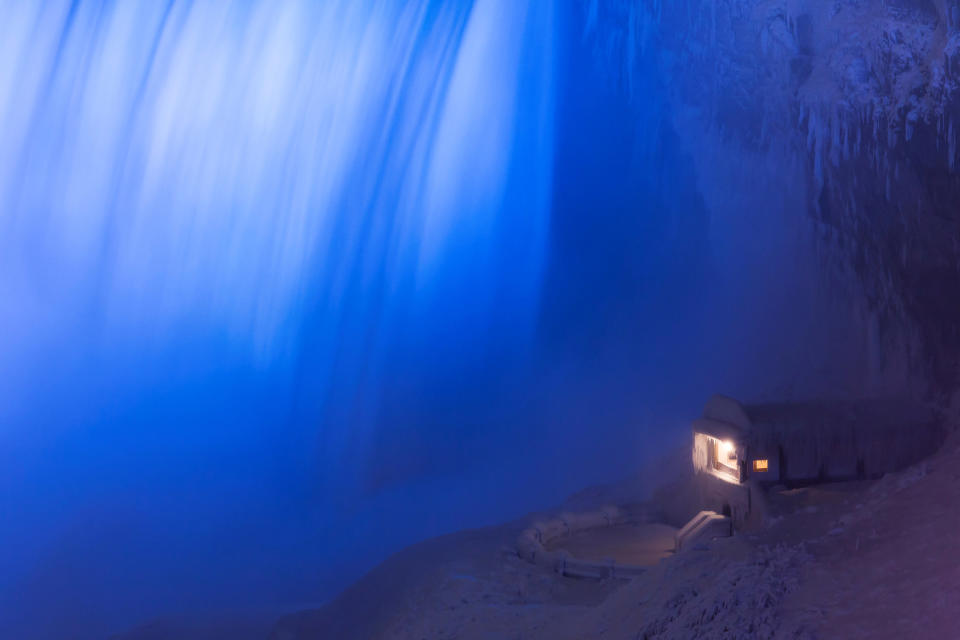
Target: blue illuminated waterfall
x: 193, y: 165
x: 223, y: 228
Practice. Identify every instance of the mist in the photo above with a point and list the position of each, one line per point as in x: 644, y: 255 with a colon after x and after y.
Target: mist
x: 287, y: 286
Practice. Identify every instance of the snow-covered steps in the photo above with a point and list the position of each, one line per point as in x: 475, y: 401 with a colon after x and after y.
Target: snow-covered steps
x: 706, y: 525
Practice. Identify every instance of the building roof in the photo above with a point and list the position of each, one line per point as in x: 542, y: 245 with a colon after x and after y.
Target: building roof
x: 874, y: 415
x: 718, y: 429
x: 725, y: 409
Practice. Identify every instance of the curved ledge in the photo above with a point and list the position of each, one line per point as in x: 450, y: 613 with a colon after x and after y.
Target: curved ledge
x: 531, y: 544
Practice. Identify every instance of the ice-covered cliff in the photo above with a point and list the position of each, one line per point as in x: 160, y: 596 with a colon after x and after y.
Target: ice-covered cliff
x: 851, y: 106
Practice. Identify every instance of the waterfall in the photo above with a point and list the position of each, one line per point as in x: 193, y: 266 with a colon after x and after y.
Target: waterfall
x: 216, y: 205
x: 233, y: 168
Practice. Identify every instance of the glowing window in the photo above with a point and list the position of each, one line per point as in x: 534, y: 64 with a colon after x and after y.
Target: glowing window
x: 761, y: 465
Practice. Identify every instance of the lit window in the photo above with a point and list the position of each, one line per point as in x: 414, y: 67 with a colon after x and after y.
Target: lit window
x: 761, y: 465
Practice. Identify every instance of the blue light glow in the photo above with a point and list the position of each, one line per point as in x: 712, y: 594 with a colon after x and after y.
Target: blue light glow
x: 218, y: 223
x: 194, y: 164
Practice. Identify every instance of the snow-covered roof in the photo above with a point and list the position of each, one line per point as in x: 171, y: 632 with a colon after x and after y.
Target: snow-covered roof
x: 725, y: 409
x: 718, y: 429
x: 875, y: 415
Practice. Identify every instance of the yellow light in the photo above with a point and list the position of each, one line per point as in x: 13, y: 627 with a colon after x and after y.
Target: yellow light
x: 761, y: 465
x: 727, y: 449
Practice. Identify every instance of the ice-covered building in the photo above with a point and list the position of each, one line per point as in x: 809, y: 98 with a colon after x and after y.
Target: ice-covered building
x: 736, y: 446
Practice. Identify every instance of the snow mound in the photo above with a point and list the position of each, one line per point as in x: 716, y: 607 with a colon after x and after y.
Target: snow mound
x: 740, y: 602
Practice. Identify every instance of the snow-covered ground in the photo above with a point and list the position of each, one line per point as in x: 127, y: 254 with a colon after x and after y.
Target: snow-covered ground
x: 871, y: 559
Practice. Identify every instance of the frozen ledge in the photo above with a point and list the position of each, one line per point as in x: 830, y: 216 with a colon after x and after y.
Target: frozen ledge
x: 531, y: 544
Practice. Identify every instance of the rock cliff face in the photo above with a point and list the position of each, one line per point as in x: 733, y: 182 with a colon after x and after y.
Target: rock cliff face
x: 852, y: 107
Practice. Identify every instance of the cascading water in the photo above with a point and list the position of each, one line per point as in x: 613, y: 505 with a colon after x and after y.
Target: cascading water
x: 223, y: 226
x: 197, y: 166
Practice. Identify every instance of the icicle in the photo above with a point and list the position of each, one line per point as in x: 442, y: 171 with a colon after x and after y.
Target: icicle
x: 811, y: 130
x: 818, y: 166
x: 951, y: 146
x: 910, y: 123
x: 835, y: 138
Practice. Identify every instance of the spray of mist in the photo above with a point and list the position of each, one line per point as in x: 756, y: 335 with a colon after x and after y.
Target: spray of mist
x: 221, y: 225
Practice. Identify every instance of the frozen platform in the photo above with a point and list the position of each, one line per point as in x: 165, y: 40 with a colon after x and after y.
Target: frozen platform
x: 636, y: 544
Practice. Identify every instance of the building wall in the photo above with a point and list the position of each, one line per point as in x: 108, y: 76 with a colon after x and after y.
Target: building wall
x: 725, y: 498
x: 841, y: 441
x: 769, y: 453
x: 700, y: 456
